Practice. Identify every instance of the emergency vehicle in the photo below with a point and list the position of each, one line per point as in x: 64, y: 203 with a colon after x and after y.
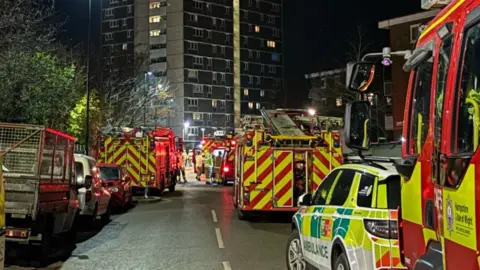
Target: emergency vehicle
x: 222, y: 146
x: 149, y: 156
x: 440, y: 167
x: 349, y: 223
x: 273, y: 168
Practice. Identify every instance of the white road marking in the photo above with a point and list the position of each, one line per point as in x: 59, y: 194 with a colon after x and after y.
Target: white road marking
x: 219, y: 238
x: 226, y: 266
x: 214, y: 216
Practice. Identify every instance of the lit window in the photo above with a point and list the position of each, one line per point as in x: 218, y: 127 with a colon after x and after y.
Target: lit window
x: 155, y: 33
x: 250, y: 105
x: 262, y: 93
x: 124, y: 46
x: 271, y: 44
x: 214, y: 103
x: 258, y: 106
x: 245, y: 92
x: 154, y: 5
x: 338, y: 102
x: 155, y: 19
x: 257, y: 29
x: 197, y: 116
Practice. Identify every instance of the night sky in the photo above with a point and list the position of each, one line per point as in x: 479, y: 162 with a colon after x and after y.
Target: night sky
x: 315, y: 32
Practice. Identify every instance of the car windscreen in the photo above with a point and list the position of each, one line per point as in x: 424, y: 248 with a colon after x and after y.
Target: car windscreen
x: 109, y: 173
x: 388, y: 193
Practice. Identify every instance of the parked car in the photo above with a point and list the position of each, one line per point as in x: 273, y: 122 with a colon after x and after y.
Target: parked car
x: 118, y: 182
x: 94, y: 201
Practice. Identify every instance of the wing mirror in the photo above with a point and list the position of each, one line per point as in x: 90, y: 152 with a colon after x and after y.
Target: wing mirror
x: 360, y: 76
x: 305, y: 199
x: 357, y: 125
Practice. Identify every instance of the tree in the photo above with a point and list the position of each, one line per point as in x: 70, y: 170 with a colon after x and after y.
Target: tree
x: 359, y: 45
x: 77, y: 118
x: 26, y: 25
x: 38, y: 89
x: 139, y: 98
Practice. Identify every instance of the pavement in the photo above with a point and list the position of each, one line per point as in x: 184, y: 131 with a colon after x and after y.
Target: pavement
x: 195, y: 227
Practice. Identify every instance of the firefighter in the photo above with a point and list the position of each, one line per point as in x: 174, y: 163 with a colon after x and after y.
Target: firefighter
x: 199, y: 165
x: 181, y: 165
x: 208, y: 160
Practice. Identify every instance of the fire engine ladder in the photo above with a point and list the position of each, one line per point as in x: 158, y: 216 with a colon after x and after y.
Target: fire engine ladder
x: 281, y: 123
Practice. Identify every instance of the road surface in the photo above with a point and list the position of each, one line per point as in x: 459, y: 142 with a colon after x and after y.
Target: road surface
x: 195, y: 227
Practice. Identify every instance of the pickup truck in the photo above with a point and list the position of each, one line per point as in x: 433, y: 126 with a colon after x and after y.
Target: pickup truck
x: 40, y: 187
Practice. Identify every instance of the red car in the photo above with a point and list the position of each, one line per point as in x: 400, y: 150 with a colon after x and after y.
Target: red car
x: 117, y: 180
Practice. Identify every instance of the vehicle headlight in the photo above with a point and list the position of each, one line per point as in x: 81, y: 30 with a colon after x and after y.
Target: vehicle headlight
x: 113, y: 189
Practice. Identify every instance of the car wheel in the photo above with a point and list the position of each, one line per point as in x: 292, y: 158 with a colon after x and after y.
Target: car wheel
x: 294, y: 256
x: 341, y: 263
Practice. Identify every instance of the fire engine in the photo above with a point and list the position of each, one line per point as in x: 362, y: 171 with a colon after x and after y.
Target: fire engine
x: 149, y: 155
x: 275, y: 166
x: 440, y: 161
x: 222, y: 145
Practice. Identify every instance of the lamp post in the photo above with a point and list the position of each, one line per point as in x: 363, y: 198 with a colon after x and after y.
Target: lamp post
x: 311, y: 112
x: 147, y: 75
x: 203, y: 132
x: 185, y: 128
x: 87, y: 109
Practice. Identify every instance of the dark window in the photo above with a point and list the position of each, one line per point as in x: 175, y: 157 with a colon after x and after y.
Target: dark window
x: 442, y: 75
x: 342, y: 188
x: 393, y: 187
x: 365, y: 191
x: 464, y: 110
x: 420, y: 118
x: 79, y: 170
x: 109, y: 173
x: 324, y: 188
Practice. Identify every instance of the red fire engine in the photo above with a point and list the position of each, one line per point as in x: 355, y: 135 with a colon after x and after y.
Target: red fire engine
x: 149, y: 155
x: 441, y: 162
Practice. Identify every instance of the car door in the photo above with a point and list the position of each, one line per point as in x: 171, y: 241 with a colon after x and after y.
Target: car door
x: 334, y: 217
x: 309, y: 223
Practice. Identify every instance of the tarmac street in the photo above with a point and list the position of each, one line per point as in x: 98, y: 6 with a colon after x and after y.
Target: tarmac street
x: 196, y: 227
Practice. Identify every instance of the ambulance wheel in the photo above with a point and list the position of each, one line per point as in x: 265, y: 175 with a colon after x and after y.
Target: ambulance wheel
x: 294, y: 256
x: 341, y: 262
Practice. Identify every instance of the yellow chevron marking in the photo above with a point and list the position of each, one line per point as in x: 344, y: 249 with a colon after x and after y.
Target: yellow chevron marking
x: 287, y: 162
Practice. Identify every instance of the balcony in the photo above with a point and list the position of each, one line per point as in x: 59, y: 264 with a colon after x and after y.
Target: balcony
x: 162, y: 39
x: 158, y: 67
x: 158, y: 11
x: 158, y: 53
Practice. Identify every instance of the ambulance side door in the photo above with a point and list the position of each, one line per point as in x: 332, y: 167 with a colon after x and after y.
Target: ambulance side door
x: 310, y: 228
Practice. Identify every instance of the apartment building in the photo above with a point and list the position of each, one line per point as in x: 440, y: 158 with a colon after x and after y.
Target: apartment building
x: 223, y: 57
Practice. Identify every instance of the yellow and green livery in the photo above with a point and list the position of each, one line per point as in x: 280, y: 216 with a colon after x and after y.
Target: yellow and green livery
x: 350, y: 222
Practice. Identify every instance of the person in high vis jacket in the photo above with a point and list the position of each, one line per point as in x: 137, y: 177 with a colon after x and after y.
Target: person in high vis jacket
x: 208, y: 160
x: 181, y: 165
x: 199, y: 165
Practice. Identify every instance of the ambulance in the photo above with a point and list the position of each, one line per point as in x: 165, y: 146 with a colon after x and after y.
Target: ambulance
x: 350, y: 221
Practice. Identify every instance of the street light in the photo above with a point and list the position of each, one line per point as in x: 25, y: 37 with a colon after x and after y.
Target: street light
x: 311, y: 112
x: 147, y: 74
x: 203, y: 132
x: 87, y: 109
x: 185, y: 128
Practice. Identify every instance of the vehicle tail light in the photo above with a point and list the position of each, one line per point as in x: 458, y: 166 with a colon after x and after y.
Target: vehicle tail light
x: 88, y: 195
x: 233, y: 142
x: 226, y: 169
x: 387, y: 229
x: 246, y: 198
x: 16, y: 233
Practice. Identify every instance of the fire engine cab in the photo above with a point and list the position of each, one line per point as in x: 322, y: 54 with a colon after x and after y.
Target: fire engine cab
x: 440, y: 164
